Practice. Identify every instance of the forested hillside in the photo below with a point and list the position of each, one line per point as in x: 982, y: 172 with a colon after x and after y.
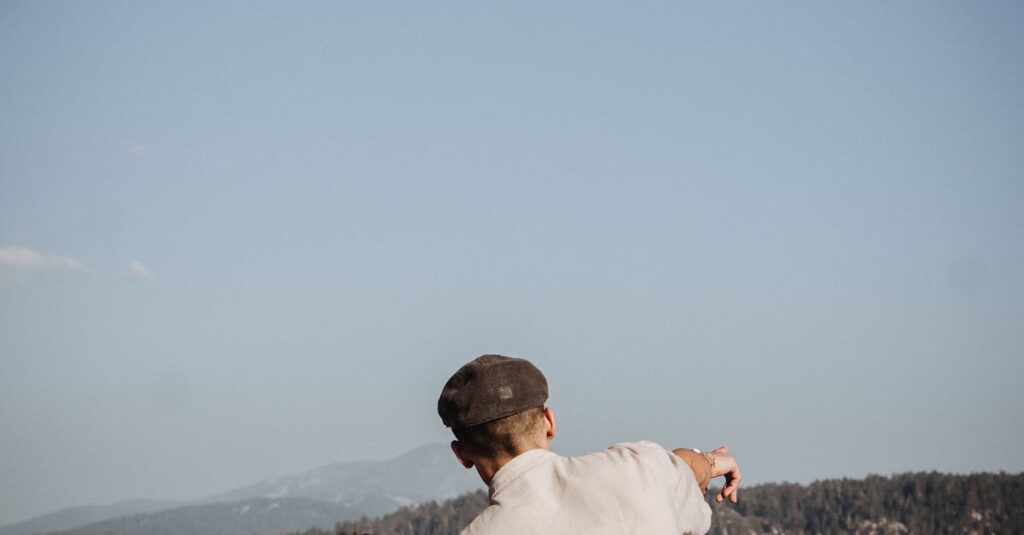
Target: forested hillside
x: 906, y: 503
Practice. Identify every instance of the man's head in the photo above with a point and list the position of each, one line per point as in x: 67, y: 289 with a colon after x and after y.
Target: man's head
x: 495, y: 407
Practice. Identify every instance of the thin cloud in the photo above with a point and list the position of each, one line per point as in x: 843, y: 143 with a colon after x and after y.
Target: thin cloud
x: 23, y: 259
x: 140, y: 271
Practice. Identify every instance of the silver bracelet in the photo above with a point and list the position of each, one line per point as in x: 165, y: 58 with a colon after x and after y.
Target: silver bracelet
x: 710, y: 457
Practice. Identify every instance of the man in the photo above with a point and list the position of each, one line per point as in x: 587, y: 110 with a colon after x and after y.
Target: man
x: 495, y: 407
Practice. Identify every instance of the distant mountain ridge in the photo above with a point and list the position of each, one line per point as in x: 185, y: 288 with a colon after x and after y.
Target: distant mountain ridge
x: 247, y: 517
x: 87, y: 514
x: 426, y: 473
x: 335, y: 492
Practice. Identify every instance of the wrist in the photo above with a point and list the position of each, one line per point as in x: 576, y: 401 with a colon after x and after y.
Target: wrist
x: 709, y: 457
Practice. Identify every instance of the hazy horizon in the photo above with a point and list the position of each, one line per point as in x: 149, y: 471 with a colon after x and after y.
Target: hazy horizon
x: 244, y: 240
x: 188, y: 500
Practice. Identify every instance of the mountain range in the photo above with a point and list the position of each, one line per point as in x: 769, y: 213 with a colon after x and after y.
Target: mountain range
x: 77, y: 516
x: 322, y: 496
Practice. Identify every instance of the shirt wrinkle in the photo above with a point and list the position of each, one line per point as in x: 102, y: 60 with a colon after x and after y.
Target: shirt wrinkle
x: 523, y: 463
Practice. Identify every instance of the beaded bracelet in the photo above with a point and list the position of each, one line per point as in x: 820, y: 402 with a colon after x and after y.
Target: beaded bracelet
x: 710, y: 457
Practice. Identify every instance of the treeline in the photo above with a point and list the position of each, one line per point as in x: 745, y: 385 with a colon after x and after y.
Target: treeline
x: 906, y: 503
x: 447, y: 518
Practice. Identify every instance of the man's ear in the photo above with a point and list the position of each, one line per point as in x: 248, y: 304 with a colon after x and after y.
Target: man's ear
x: 549, y: 417
x: 461, y: 455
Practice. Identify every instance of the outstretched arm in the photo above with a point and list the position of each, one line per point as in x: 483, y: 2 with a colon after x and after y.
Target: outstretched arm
x: 711, y: 464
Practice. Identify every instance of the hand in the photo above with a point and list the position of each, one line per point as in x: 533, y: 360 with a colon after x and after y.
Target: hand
x: 725, y: 465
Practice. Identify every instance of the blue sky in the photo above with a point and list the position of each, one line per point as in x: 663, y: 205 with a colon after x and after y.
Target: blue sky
x: 247, y: 239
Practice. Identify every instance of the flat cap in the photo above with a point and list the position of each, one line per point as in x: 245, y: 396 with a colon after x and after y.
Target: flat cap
x: 491, y: 387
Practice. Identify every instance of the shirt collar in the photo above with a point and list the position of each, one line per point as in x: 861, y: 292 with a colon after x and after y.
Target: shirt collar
x: 523, y: 463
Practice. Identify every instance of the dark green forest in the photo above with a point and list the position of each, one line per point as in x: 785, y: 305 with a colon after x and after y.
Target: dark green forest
x: 905, y: 503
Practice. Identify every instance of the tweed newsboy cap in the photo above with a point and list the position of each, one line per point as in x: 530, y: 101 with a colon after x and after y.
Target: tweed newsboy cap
x: 491, y: 387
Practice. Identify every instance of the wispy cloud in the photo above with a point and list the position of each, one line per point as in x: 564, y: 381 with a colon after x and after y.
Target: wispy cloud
x: 23, y: 259
x: 140, y: 271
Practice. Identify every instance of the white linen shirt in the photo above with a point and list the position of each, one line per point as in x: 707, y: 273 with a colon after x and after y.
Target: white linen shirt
x: 629, y: 488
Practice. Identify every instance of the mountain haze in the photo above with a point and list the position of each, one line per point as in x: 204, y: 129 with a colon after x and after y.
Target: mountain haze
x: 426, y: 473
x: 322, y: 496
x: 78, y: 516
x: 260, y: 516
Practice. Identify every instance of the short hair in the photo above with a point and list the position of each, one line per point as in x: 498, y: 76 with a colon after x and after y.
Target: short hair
x: 503, y: 436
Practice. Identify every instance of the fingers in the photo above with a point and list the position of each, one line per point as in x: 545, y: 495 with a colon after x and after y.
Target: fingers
x: 732, y: 487
x: 731, y: 491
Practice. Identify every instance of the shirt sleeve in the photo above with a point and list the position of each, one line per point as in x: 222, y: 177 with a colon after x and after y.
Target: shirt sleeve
x: 692, y: 510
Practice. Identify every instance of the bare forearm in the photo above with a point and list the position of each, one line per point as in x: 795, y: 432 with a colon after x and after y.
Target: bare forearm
x: 699, y: 464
